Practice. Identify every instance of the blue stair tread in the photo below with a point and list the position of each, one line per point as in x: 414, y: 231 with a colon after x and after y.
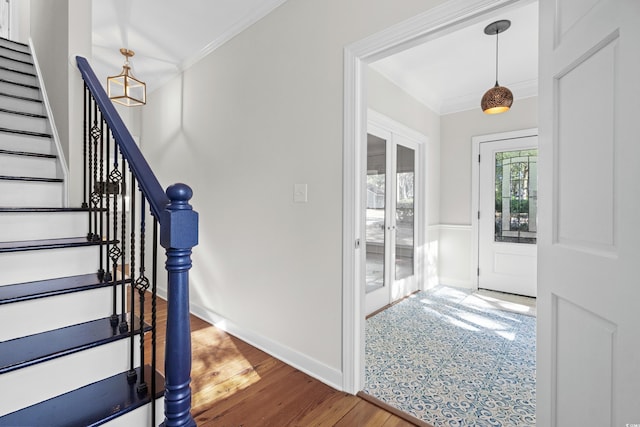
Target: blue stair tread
x: 46, y: 288
x: 15, y: 60
x: 26, y: 153
x: 16, y: 44
x: 21, y: 113
x: 28, y: 86
x: 29, y: 245
x: 24, y: 132
x: 91, y: 405
x: 23, y: 98
x: 29, y: 179
x: 11, y: 70
x: 26, y: 351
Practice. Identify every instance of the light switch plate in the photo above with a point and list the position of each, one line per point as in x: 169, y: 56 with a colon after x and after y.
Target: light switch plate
x: 300, y: 193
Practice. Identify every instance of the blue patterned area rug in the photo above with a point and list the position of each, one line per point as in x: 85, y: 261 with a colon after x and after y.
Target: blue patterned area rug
x: 447, y: 361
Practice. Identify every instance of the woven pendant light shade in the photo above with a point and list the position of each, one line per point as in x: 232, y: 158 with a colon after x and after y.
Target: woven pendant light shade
x: 496, y: 100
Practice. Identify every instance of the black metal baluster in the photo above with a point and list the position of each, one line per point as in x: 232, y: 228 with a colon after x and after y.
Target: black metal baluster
x: 92, y: 122
x: 96, y: 132
x: 142, y: 285
x: 107, y: 217
x: 131, y: 375
x: 85, y: 137
x: 101, y: 193
x: 115, y: 177
x: 124, y: 327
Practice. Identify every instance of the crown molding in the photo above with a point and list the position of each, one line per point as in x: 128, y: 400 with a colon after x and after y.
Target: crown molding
x: 267, y: 7
x: 520, y: 90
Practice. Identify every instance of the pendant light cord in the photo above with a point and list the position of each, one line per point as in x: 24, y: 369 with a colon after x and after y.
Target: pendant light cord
x: 497, y: 33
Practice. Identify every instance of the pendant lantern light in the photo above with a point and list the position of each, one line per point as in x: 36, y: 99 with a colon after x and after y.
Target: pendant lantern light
x: 124, y: 88
x: 498, y: 99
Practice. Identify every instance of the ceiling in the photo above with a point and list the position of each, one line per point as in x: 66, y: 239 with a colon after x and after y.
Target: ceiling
x: 452, y: 72
x: 448, y: 74
x: 167, y: 36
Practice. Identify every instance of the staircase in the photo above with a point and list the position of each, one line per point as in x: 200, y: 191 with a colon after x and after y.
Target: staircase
x: 68, y: 355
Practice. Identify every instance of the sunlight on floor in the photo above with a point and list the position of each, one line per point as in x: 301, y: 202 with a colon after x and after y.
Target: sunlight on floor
x: 227, y: 370
x: 501, y: 301
x: 484, y: 300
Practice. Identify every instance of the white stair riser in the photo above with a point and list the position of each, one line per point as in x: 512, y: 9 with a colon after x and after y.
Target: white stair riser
x: 14, y: 65
x: 13, y: 89
x: 63, y: 374
x: 12, y: 76
x: 15, y: 46
x: 139, y: 417
x: 31, y: 194
x: 55, y: 312
x: 28, y: 266
x: 16, y: 165
x: 18, y: 226
x: 26, y: 143
x: 21, y: 105
x: 20, y: 122
x: 11, y: 53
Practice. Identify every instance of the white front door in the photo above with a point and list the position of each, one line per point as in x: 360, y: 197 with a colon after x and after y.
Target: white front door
x: 588, y: 352
x: 390, y: 217
x: 507, y: 222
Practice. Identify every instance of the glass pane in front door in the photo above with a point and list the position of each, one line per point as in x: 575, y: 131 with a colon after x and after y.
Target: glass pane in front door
x: 516, y: 201
x: 405, y: 208
x: 376, y: 193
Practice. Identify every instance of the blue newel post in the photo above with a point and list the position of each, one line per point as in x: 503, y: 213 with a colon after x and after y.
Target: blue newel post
x: 178, y: 234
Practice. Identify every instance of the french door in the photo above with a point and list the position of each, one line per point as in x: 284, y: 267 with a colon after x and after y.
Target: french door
x: 391, y: 188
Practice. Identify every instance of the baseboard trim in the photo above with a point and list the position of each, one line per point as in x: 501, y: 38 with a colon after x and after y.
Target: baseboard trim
x: 312, y: 367
x: 457, y: 283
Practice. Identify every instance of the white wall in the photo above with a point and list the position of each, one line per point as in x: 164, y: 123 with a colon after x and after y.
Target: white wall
x: 50, y: 34
x: 457, y: 129
x: 242, y: 126
x: 20, y: 21
x: 60, y: 30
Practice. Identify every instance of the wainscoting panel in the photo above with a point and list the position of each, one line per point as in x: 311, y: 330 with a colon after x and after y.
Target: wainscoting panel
x: 454, y: 256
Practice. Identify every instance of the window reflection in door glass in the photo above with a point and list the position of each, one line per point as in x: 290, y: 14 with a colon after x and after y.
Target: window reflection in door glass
x: 376, y: 193
x: 405, y: 185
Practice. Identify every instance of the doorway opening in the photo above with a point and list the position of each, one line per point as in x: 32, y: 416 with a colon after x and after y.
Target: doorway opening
x: 424, y: 28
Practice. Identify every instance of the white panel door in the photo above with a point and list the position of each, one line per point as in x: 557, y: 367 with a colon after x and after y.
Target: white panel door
x: 588, y: 361
x: 507, y: 223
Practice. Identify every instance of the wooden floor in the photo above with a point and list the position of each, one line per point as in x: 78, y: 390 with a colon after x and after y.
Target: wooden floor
x: 234, y: 384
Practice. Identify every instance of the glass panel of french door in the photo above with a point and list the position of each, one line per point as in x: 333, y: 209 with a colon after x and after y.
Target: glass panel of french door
x: 405, y: 209
x: 376, y: 212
